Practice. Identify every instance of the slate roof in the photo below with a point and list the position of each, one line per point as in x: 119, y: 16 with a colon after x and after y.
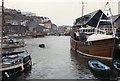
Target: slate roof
x: 92, y: 19
x: 115, y: 18
x: 108, y: 21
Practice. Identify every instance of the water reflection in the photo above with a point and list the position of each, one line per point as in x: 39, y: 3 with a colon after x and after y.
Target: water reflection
x: 82, y: 66
x: 55, y: 61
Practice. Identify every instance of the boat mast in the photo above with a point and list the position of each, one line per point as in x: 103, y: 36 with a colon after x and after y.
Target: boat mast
x: 82, y: 13
x: 1, y: 28
x: 113, y: 28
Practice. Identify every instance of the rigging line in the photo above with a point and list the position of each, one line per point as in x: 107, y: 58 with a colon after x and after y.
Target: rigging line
x: 100, y: 19
x: 113, y: 29
x: 107, y: 4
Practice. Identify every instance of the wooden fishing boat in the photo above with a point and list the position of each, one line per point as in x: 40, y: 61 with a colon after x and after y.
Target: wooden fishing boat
x: 97, y: 45
x: 99, y: 70
x: 94, y: 46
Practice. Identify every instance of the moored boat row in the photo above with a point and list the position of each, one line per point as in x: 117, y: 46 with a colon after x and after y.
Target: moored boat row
x: 8, y: 42
x: 97, y: 44
x: 12, y: 62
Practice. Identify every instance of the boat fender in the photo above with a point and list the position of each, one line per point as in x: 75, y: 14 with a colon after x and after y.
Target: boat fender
x: 22, y: 67
x: 7, y: 75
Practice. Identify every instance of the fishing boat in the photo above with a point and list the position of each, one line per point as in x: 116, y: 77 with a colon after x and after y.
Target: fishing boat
x: 99, y: 70
x: 11, y: 65
x: 96, y: 45
x: 11, y: 42
x: 12, y: 62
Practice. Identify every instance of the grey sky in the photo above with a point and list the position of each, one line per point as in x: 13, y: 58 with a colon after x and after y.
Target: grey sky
x: 61, y: 12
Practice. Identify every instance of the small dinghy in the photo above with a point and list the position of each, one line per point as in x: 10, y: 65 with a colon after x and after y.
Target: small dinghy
x: 99, y: 70
x: 42, y: 45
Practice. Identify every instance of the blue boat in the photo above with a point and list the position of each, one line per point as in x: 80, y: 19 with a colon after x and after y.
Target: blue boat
x: 14, y: 62
x: 99, y: 70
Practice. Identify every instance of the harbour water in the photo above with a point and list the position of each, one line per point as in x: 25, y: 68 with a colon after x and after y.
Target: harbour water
x: 55, y: 61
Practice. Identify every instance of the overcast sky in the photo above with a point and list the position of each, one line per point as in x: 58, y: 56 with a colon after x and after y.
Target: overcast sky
x: 61, y: 12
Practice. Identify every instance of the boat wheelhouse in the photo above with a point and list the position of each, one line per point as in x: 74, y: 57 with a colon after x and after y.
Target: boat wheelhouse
x: 91, y: 30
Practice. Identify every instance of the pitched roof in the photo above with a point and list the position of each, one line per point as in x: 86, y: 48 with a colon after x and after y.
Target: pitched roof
x: 108, y: 20
x: 91, y: 18
x: 115, y: 18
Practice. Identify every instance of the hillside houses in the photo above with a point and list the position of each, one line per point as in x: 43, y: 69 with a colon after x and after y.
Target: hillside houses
x: 26, y: 23
x: 64, y: 30
x: 17, y: 22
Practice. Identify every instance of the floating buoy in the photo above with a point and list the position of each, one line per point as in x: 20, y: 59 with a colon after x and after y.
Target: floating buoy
x: 42, y: 45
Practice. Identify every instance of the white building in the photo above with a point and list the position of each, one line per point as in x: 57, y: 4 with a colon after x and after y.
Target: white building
x: 28, y: 14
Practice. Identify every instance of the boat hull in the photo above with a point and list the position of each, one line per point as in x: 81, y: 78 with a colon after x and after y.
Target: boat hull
x: 13, y: 46
x: 11, y: 71
x: 27, y: 62
x: 99, y: 49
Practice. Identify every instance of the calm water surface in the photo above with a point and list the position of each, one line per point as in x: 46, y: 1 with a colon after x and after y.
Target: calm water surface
x: 55, y: 61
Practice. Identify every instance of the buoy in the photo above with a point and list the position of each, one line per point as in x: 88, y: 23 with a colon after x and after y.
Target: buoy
x: 7, y: 75
x: 42, y: 45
